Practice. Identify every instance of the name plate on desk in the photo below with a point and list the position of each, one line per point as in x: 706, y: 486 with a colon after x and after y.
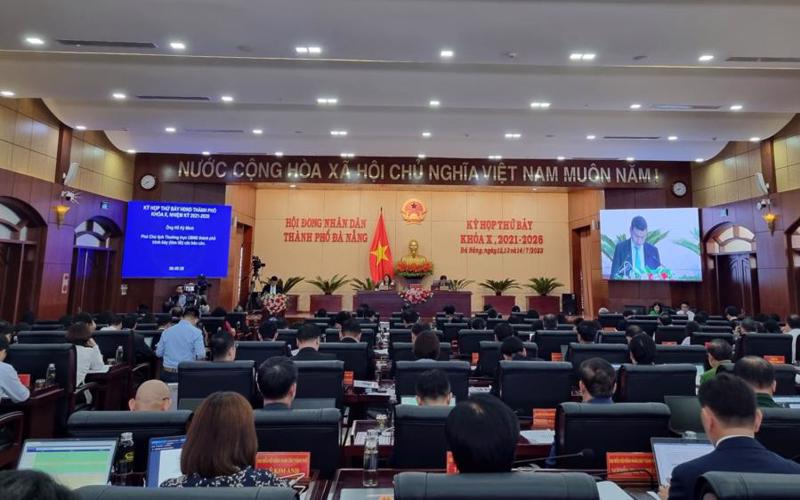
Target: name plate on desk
x: 25, y: 379
x: 775, y: 360
x: 285, y: 463
x: 451, y: 467
x: 556, y: 356
x: 630, y: 466
x: 348, y: 378
x: 544, y: 418
x: 365, y: 384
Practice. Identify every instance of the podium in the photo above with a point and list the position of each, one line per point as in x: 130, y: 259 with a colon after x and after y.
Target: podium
x: 387, y: 302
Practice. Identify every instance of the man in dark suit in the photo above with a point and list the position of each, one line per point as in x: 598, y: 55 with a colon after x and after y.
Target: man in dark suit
x: 273, y: 286
x: 731, y: 419
x: 308, y: 338
x: 277, y: 381
x: 351, y: 333
x: 634, y: 256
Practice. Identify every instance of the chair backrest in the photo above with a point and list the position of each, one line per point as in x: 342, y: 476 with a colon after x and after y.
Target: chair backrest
x: 490, y: 356
x: 211, y: 324
x: 109, y: 340
x: 716, y: 329
x: 146, y: 326
x: 399, y: 335
x: 367, y: 335
x: 238, y: 320
x: 613, y: 338
x: 139, y: 493
x: 785, y: 378
x: 419, y: 439
x: 404, y: 351
x: 615, y: 354
x: 550, y: 342
x: 500, y: 486
x: 650, y: 383
x: 609, y: 320
x: 143, y: 424
x: 607, y: 427
x: 469, y: 341
x: 765, y: 344
x: 315, y: 431
x: 525, y: 385
x: 747, y: 485
x: 408, y: 371
x: 780, y: 431
x: 647, y: 325
x: 320, y: 380
x: 46, y: 327
x: 692, y: 354
x: 670, y: 334
x: 703, y: 337
x: 287, y: 335
x: 260, y: 351
x: 198, y: 379
x: 451, y: 330
x: 355, y: 355
x: 684, y: 414
x: 493, y: 322
x: 42, y: 337
x: 34, y: 359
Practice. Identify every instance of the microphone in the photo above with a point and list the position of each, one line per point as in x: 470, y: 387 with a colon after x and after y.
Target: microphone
x: 587, y: 453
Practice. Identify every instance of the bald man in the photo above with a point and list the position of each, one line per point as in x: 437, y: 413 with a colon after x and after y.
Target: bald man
x: 153, y: 395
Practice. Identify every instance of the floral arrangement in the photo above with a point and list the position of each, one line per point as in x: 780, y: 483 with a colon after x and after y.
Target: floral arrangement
x: 416, y: 295
x: 652, y: 274
x: 275, y: 304
x: 407, y: 270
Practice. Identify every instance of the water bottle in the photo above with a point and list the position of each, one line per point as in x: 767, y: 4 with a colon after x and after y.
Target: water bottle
x: 125, y: 455
x: 120, y: 356
x: 371, y: 459
x: 50, y: 378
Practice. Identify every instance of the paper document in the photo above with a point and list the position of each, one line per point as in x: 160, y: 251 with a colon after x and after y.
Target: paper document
x: 610, y: 491
x: 383, y: 439
x: 539, y: 436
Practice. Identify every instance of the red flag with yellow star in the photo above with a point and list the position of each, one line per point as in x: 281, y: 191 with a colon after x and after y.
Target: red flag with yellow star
x: 380, y: 255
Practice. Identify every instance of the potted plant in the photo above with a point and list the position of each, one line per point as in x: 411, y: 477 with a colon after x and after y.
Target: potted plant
x: 461, y: 284
x: 291, y: 299
x: 501, y: 303
x: 327, y: 300
x: 366, y: 285
x: 543, y: 302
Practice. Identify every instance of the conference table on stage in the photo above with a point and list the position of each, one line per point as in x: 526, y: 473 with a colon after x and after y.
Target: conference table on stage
x: 389, y: 301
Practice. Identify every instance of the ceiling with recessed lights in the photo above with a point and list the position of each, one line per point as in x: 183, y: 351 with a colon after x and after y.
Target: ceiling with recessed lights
x: 649, y: 79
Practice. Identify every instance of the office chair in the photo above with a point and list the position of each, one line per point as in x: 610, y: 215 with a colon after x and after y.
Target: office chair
x: 320, y: 380
x: 198, y: 379
x: 355, y: 355
x: 469, y: 341
x: 408, y: 371
x: 260, y: 351
x: 780, y: 431
x: 550, y: 342
x: 684, y: 414
x: 692, y: 354
x: 670, y: 334
x: 650, y: 383
x: 42, y: 337
x: 525, y: 385
x: 419, y: 439
x: 747, y: 486
x: 765, y: 344
x: 139, y: 493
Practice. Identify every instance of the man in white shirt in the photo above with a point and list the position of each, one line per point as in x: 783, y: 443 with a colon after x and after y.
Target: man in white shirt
x: 685, y: 311
x: 793, y: 328
x: 10, y: 385
x: 115, y: 324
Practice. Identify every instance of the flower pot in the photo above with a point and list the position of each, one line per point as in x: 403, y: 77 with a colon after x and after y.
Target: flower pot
x: 500, y: 303
x: 331, y: 303
x: 291, y: 304
x: 544, y: 304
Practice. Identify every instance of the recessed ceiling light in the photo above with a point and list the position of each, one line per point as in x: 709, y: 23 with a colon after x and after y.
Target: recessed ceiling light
x: 426, y: 134
x: 699, y: 160
x: 755, y: 139
x: 169, y: 130
x: 258, y: 131
x: 672, y: 138
x: 495, y: 157
x: 338, y: 133
x: 540, y: 104
x: 120, y: 96
x: 347, y: 155
x: 512, y: 135
x: 279, y: 153
x: 434, y: 103
x: 591, y: 137
x: 177, y: 45
x: 421, y: 156
x: 327, y: 101
x: 7, y: 93
x: 706, y: 57
x: 292, y: 186
x: 308, y: 49
x: 206, y: 153
x: 446, y: 53
x: 132, y: 151
x: 34, y: 40
x: 561, y: 158
x: 582, y: 56
x: 736, y: 107
x: 315, y: 50
x: 80, y: 127
x: 636, y: 105
x: 226, y: 98
x: 630, y: 159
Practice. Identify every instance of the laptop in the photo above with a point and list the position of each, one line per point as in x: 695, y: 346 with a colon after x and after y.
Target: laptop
x: 71, y: 462
x: 164, y: 459
x: 668, y: 453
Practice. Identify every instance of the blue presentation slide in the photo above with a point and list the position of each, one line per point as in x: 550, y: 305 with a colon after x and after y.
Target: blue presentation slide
x: 176, y: 240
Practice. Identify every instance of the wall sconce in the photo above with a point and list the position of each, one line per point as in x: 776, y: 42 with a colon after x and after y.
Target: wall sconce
x: 770, y: 219
x: 61, y: 213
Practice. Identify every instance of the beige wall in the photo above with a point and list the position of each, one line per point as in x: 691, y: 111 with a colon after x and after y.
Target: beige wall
x: 786, y: 152
x: 729, y: 176
x: 28, y: 138
x: 103, y: 168
x: 438, y: 235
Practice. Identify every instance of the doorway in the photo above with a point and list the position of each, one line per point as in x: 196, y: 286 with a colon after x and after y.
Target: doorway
x: 731, y: 259
x: 21, y: 236
x: 94, y: 265
x: 582, y: 269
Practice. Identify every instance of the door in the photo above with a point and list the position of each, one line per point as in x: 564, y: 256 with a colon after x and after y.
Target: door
x: 91, y: 272
x: 736, y: 282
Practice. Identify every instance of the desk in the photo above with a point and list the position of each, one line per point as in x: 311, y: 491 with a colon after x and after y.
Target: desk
x: 387, y: 302
x: 114, y: 387
x: 39, y: 412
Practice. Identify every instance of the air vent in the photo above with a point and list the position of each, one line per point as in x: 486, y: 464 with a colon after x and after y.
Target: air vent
x: 764, y: 59
x: 632, y: 137
x: 214, y: 131
x: 685, y: 107
x: 107, y: 43
x: 172, y: 98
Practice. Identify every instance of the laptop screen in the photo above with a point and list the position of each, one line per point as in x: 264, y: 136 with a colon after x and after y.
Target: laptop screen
x: 164, y: 460
x: 71, y: 462
x: 669, y: 453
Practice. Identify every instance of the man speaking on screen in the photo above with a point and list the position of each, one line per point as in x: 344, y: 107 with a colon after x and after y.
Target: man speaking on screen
x: 634, y: 256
